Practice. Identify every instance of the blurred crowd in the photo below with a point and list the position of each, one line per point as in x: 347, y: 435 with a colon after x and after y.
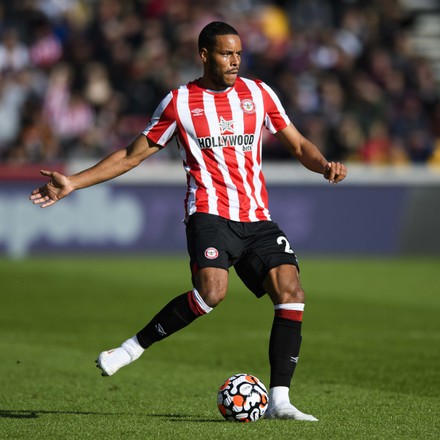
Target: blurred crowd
x: 80, y: 78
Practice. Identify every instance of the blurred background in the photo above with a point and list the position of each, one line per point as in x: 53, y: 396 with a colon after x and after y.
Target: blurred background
x: 79, y: 79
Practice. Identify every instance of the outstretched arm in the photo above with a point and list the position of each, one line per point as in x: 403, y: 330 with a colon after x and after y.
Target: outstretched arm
x: 113, y: 165
x: 309, y: 155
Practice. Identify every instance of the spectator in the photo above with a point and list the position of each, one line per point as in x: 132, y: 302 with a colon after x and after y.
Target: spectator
x: 101, y: 66
x: 14, y: 55
x: 10, y: 113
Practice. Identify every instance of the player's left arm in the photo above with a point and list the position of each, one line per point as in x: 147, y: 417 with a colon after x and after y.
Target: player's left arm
x: 309, y: 155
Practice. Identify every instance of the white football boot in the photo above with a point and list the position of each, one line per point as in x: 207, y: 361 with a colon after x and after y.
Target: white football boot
x: 280, y: 407
x: 112, y: 360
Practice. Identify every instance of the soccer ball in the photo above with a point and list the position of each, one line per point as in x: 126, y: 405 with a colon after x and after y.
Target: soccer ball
x: 242, y: 398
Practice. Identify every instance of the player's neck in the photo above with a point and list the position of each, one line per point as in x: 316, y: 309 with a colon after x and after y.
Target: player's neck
x: 207, y: 84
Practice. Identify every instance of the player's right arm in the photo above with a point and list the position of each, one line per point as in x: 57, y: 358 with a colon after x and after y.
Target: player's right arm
x: 115, y: 164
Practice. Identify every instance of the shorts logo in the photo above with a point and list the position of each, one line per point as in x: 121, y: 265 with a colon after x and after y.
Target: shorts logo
x: 211, y: 253
x: 248, y: 106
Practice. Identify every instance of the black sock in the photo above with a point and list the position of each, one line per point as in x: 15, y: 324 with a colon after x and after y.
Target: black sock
x: 284, y: 346
x: 176, y: 315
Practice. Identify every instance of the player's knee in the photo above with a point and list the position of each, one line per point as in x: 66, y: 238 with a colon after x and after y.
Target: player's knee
x: 283, y: 286
x: 290, y: 294
x: 212, y: 285
x: 212, y: 296
x: 297, y: 295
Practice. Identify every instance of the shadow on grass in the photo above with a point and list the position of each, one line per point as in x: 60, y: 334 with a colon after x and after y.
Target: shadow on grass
x: 34, y: 414
x: 184, y: 418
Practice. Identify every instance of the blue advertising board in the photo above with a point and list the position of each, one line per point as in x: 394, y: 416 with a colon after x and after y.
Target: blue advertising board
x: 149, y: 218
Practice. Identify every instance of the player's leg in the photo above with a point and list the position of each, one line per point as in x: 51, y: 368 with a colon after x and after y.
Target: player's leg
x: 211, y: 286
x: 209, y: 264
x: 283, y: 285
x: 270, y: 266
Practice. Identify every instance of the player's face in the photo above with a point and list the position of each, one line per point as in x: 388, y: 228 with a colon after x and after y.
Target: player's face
x: 222, y: 63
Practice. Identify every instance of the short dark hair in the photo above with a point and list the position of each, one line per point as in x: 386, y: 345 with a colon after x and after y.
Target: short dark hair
x: 210, y: 31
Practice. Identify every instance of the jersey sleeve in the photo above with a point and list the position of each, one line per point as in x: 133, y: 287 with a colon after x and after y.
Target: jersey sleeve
x: 162, y: 125
x: 276, y: 118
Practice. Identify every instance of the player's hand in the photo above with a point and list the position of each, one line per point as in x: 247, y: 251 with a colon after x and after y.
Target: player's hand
x: 334, y: 172
x: 57, y: 188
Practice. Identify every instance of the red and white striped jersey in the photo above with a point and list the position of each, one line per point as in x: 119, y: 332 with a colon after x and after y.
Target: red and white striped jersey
x: 220, y: 139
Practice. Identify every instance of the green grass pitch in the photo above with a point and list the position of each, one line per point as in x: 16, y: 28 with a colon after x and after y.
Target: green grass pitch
x: 369, y: 366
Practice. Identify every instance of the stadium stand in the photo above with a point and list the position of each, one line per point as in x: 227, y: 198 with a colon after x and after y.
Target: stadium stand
x: 360, y: 79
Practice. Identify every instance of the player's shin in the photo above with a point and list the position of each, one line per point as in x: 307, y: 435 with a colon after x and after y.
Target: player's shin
x: 176, y: 315
x: 284, y: 346
x: 285, y: 343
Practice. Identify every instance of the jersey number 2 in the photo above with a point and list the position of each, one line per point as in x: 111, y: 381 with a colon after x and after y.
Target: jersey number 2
x: 285, y: 242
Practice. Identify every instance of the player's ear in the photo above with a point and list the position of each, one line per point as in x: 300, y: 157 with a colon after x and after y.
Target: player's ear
x: 203, y: 54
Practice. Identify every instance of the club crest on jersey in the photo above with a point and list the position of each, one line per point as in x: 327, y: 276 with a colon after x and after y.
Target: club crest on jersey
x: 211, y: 253
x: 248, y: 106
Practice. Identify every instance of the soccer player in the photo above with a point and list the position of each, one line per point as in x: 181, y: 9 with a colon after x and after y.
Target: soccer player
x: 218, y: 121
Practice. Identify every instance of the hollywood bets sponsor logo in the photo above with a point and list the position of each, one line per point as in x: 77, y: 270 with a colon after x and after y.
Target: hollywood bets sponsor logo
x: 211, y: 253
x: 244, y: 141
x: 227, y: 138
